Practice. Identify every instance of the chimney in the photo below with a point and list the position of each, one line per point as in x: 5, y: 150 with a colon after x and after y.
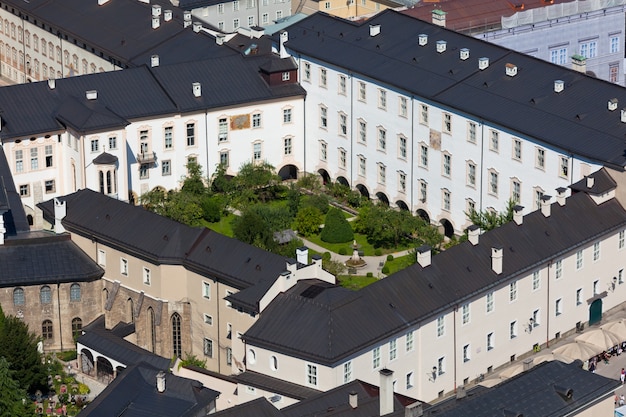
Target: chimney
x: 464, y: 54
x: 496, y: 260
x: 219, y: 39
x: 186, y: 18
x: 518, y: 215
x: 284, y: 37
x: 353, y: 399
x: 527, y: 364
x: 590, y: 181
x: 167, y: 15
x: 60, y: 211
x: 559, y: 85
x: 197, y: 89
x: 197, y: 26
x: 460, y: 392
x: 579, y: 63
x: 511, y: 70
x: 160, y: 381
x: 156, y: 22
x: 102, y: 2
x: 3, y: 229
x: 52, y: 83
x: 374, y: 30
x: 156, y: 10
x: 473, y: 232
x: 483, y: 63
x: 422, y: 39
x: 545, y: 205
x: 154, y: 61
x: 414, y: 410
x: 424, y: 256
x: 302, y: 255
x: 385, y: 394
x: 623, y: 115
x: 439, y: 17
x: 91, y: 94
x: 441, y: 46
x: 612, y: 104
x: 560, y: 195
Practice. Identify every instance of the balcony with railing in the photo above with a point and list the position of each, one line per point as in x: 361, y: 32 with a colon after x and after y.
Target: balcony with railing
x: 146, y: 157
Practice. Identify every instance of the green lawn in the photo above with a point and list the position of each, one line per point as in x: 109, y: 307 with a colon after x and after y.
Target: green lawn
x: 223, y: 226
x: 361, y: 240
x: 355, y: 282
x: 400, y: 263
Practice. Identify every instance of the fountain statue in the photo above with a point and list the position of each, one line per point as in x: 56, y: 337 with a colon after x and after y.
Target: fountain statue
x: 355, y: 260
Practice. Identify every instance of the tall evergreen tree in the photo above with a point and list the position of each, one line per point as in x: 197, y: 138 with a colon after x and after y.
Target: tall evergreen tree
x: 13, y: 401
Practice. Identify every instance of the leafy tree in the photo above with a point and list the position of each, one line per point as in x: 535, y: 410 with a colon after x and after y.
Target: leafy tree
x: 276, y: 218
x: 310, y: 182
x: 193, y: 182
x: 192, y: 360
x: 12, y: 396
x: 184, y: 208
x: 308, y: 221
x: 220, y: 181
x: 334, y: 267
x: 259, y: 179
x: 293, y: 200
x: 251, y: 228
x: 288, y: 250
x: 155, y: 201
x: 319, y: 201
x: 488, y: 219
x: 336, y: 228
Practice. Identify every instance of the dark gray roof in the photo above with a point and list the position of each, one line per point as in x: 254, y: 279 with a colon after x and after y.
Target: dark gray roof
x: 342, y: 323
x: 577, y: 120
x: 275, y: 385
x: 134, y: 394
x: 163, y: 241
x: 538, y: 392
x: 105, y: 159
x: 95, y: 336
x: 602, y: 183
x: 258, y: 407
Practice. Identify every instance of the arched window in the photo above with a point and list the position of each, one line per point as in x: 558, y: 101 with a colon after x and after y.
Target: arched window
x: 77, y: 327
x: 176, y: 338
x: 131, y: 311
x: 18, y: 297
x: 75, y: 292
x: 45, y: 295
x: 151, y: 331
x: 46, y: 330
x: 105, y: 296
x: 101, y: 177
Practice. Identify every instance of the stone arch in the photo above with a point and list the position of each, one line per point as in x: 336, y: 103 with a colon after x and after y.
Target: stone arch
x: 86, y: 362
x: 382, y: 197
x: 325, y: 175
x: 288, y: 172
x: 343, y: 181
x: 423, y: 214
x: 363, y: 190
x: 402, y: 205
x: 160, y: 188
x: 448, y: 229
x: 105, y: 369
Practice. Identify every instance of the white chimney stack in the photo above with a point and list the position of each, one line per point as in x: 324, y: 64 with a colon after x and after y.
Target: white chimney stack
x: 623, y: 115
x: 167, y: 15
x: 496, y: 260
x: 197, y: 26
x: 3, y: 229
x: 545, y: 205
x: 511, y: 70
x: 590, y: 181
x: 424, y: 256
x: 385, y: 394
x: 441, y: 46
x: 559, y: 85
x: 483, y: 63
x: 156, y: 10
x: 473, y: 233
x: 353, y: 399
x: 518, y: 215
x: 60, y: 211
x: 422, y: 39
x: 560, y: 195
x: 154, y: 61
x: 160, y: 381
x: 197, y: 89
x: 91, y: 94
x: 186, y: 18
x: 439, y: 17
x: 374, y: 30
x: 284, y: 37
x: 464, y: 54
x: 156, y: 22
x: 612, y: 105
x: 52, y: 83
x: 102, y: 2
x: 302, y: 255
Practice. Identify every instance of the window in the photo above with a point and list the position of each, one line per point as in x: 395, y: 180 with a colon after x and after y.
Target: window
x: 614, y: 72
x: 177, y: 349
x: 362, y: 131
x: 536, y: 280
x: 579, y: 260
x: 77, y: 327
x: 466, y: 313
x: 513, y: 291
x: 19, y: 161
x: 440, y: 326
x: 423, y: 191
x: 490, y: 341
x: 423, y: 117
x: 579, y: 296
x: 614, y: 44
x: 494, y: 140
x: 45, y: 295
x: 538, y: 197
x: 558, y: 307
x: 166, y: 168
x: 228, y: 294
x: 342, y: 158
x: 589, y: 49
x: 236, y: 5
x: 46, y: 330
x: 49, y: 186
x: 540, y: 158
x: 362, y: 91
x: 146, y: 276
x: 621, y: 239
x: 382, y: 174
x: 402, y: 147
x: 208, y: 348
x: 563, y: 167
x: 24, y: 190
x: 447, y: 123
x: 493, y: 182
x: 342, y: 85
x: 95, y: 147
x: 229, y: 331
x: 409, y: 341
x: 516, y: 190
x: 558, y: 266
x: 347, y: 372
x: 362, y: 165
x: 285, y: 75
x: 471, y: 132
x: 446, y: 196
x: 206, y: 290
x: 382, y: 99
x: 424, y: 156
x: 489, y: 303
x: 403, y: 109
x: 287, y: 146
x: 409, y: 380
x: 229, y: 356
x: 513, y: 330
x: 596, y: 287
x: 113, y: 142
x: 558, y: 55
x: 75, y: 292
x: 208, y: 319
x: 393, y: 349
x: 620, y: 276
x: 382, y: 139
x: 256, y: 152
x: 311, y: 374
x: 123, y: 266
x: 256, y: 120
x: 327, y: 5
x: 323, y: 151
x: 441, y: 365
x: 286, y: 115
x: 323, y: 77
x: 251, y: 23
x: 34, y: 159
x: 343, y: 124
x: 48, y: 152
x: 265, y: 19
x: 222, y: 130
x: 402, y: 181
x: 517, y: 149
x: 466, y: 353
x: 18, y: 297
x: 307, y: 71
x: 447, y: 163
x: 536, y: 318
x: 191, y: 134
x: 596, y: 251
x: 323, y: 117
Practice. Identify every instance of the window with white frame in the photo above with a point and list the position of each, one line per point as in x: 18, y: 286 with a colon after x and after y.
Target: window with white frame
x: 558, y: 307
x: 402, y: 182
x: 403, y: 107
x: 614, y: 44
x: 342, y: 158
x: 447, y: 199
x: 558, y: 267
x: 323, y: 151
x: 307, y: 71
x: 228, y: 303
x: 323, y: 77
x: 588, y: 49
x: 471, y: 174
x: 286, y: 115
x: 208, y: 319
x: 538, y: 197
x: 382, y: 139
x: 222, y: 133
x: 236, y: 23
x: 494, y: 140
x: 376, y: 357
x: 402, y: 146
x: 362, y: 131
x: 447, y: 164
x: 409, y: 341
x: 208, y: 348
x: 287, y: 146
x: 579, y: 260
x: 382, y: 173
x: 558, y: 55
x: 24, y: 190
x: 265, y: 19
x: 124, y: 266
x: 563, y: 166
x: 362, y: 170
x: 596, y: 251
x: 423, y: 156
x: 540, y: 158
x: 490, y: 302
x: 146, y: 276
x: 536, y: 280
x: 256, y: 120
x: 513, y: 291
x: 168, y: 141
x: 256, y: 152
x: 447, y: 123
x: 362, y: 91
x: 382, y: 99
x: 470, y: 206
x: 466, y: 353
x: 19, y: 161
x: 516, y: 190
x: 621, y: 239
x: 490, y: 341
x: 579, y: 296
x: 95, y: 145
x: 441, y: 365
x: 342, y: 85
x: 423, y: 191
x: 347, y: 372
x: 493, y: 182
x: 206, y: 290
x: 536, y: 318
x: 102, y: 257
x: 48, y: 155
x: 517, y: 150
x: 513, y: 329
x: 311, y: 374
x: 220, y: 8
x: 323, y: 117
x: 471, y: 132
x: 423, y: 116
x: 393, y: 349
x: 224, y: 158
x: 441, y: 328
x: 465, y: 313
x: 596, y: 287
x: 343, y: 124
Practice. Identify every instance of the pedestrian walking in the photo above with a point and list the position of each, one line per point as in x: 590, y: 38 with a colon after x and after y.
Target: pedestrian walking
x: 621, y: 400
x: 622, y: 376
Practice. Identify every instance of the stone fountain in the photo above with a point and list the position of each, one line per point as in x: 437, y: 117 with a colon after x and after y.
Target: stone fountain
x: 355, y: 261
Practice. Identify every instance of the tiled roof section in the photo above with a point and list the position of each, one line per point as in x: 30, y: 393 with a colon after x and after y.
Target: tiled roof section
x: 575, y: 120
x: 602, y: 183
x: 277, y: 65
x: 259, y: 407
x: 535, y: 393
x: 43, y: 258
x: 15, y: 218
x: 342, y: 324
x: 133, y: 394
x: 95, y: 336
x: 278, y: 386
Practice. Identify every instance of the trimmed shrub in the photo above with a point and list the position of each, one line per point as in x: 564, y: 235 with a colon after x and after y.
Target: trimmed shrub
x: 336, y: 228
x: 378, y: 252
x: 369, y: 274
x: 385, y: 270
x: 326, y: 256
x: 343, y: 251
x: 389, y: 258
